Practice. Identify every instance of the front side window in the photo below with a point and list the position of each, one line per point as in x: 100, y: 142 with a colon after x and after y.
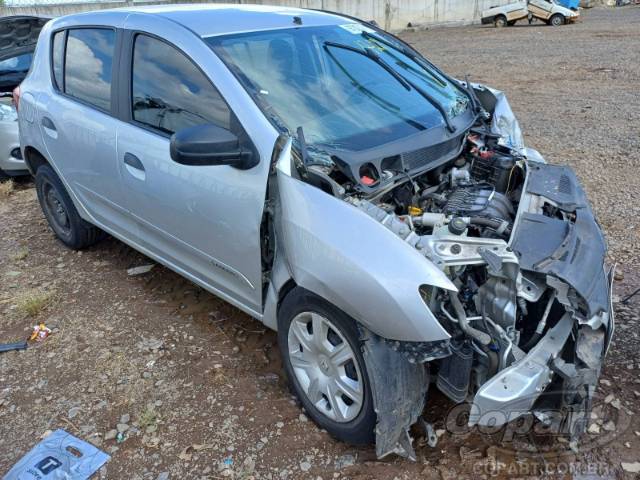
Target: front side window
x: 348, y: 86
x: 88, y: 65
x: 169, y: 93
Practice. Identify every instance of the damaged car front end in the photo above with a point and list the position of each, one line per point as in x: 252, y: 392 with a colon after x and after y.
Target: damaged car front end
x: 462, y: 257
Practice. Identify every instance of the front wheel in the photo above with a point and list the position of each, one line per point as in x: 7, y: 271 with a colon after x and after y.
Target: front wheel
x: 557, y: 20
x: 500, y: 21
x: 323, y: 361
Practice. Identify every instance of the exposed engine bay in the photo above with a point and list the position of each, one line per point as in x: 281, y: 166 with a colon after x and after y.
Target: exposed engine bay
x: 527, y: 310
x: 518, y: 290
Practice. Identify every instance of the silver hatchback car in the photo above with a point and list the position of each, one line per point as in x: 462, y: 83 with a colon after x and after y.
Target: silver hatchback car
x: 324, y: 177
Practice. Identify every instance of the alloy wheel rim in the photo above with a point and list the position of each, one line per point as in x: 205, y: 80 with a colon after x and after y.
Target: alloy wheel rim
x: 325, y: 367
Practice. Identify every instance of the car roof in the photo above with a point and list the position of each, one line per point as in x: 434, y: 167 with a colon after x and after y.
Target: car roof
x: 220, y: 19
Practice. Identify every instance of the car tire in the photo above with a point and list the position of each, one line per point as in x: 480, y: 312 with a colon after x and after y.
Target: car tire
x: 557, y: 20
x: 61, y: 213
x: 3, y: 176
x: 500, y: 21
x: 325, y: 362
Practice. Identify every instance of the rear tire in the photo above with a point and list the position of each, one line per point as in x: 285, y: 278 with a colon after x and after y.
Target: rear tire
x: 330, y: 377
x: 557, y: 20
x: 61, y: 213
x: 500, y: 21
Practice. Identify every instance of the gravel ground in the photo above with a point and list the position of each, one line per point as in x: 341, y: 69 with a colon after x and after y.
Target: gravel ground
x: 196, y: 386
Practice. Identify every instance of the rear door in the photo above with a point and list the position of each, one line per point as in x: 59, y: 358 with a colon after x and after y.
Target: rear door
x: 78, y: 124
x: 202, y: 221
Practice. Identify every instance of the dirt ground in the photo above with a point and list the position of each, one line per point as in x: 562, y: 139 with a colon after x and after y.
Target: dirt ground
x: 197, y: 387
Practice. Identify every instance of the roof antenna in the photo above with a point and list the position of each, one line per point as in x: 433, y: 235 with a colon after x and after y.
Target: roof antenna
x: 297, y: 20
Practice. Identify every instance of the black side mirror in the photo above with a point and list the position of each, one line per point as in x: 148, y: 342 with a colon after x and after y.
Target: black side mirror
x: 209, y: 145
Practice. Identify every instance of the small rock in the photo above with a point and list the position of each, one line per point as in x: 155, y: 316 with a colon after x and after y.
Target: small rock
x: 110, y: 435
x: 609, y: 398
x: 609, y: 426
x: 305, y: 466
x: 125, y: 418
x: 163, y: 476
x: 616, y: 404
x: 279, y: 425
x: 303, y: 418
x: 122, y: 427
x: 140, y: 270
x: 73, y: 412
x: 594, y: 429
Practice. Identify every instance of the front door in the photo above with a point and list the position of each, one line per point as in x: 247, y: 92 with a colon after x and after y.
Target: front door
x: 202, y: 221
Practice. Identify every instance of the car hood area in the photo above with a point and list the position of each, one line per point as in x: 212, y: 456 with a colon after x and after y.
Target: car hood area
x: 19, y: 34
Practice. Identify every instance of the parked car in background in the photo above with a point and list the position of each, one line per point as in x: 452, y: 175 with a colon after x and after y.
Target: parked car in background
x: 548, y: 11
x: 570, y: 4
x: 18, y: 37
x: 325, y: 178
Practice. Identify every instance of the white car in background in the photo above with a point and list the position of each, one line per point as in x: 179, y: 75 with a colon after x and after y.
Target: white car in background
x: 547, y: 11
x: 18, y: 37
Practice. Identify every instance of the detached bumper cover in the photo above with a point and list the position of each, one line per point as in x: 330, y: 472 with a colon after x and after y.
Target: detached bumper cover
x: 573, y: 252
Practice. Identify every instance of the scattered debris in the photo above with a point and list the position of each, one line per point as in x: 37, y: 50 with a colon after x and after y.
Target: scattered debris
x: 141, y: 270
x: 8, y: 347
x: 345, y: 461
x: 40, y: 332
x: 631, y: 467
x: 62, y: 453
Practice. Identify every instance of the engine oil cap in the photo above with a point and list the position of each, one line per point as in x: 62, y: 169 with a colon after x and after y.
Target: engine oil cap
x: 457, y: 226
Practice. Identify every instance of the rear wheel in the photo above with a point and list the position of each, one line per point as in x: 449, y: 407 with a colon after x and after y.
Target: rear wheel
x: 557, y: 20
x: 323, y: 361
x: 500, y: 21
x: 61, y: 213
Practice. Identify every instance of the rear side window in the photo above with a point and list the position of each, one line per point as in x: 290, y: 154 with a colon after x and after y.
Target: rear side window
x: 169, y: 92
x: 88, y: 64
x: 58, y: 58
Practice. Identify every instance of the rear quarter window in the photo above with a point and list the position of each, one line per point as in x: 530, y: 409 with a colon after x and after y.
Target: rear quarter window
x: 88, y: 65
x: 57, y: 58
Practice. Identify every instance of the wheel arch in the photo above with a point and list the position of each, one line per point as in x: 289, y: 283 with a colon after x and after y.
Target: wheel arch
x: 34, y: 159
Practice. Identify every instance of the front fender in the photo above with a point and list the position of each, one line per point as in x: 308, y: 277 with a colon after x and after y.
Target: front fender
x: 343, y: 255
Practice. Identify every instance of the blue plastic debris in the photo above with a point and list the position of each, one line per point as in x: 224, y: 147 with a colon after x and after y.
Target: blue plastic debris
x: 59, y: 456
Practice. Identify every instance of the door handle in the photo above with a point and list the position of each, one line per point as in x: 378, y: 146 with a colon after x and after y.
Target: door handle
x: 133, y: 161
x: 48, y: 124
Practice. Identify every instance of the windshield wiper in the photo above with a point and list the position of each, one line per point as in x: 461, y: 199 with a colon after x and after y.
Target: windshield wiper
x: 394, y: 109
x: 370, y: 53
x: 406, y: 83
x: 419, y: 59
